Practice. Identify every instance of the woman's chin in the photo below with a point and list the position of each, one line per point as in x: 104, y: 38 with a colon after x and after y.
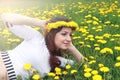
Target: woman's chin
x: 64, y: 48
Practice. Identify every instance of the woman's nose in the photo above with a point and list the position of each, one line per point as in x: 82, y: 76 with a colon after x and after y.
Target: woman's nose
x: 69, y: 38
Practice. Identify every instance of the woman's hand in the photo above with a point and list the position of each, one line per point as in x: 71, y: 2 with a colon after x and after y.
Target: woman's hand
x: 70, y: 47
x: 74, y: 51
x: 42, y: 24
x: 68, y: 50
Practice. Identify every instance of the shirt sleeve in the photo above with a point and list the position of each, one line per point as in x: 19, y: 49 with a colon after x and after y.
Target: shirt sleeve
x: 25, y: 32
x: 65, y: 61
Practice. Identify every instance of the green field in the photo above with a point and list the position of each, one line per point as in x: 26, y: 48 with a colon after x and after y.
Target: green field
x: 98, y: 37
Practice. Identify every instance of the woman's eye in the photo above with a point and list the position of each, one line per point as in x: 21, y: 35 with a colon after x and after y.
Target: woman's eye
x: 70, y: 35
x: 63, y: 34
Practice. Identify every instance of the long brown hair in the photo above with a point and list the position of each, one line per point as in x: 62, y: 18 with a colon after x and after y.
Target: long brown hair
x: 50, y: 42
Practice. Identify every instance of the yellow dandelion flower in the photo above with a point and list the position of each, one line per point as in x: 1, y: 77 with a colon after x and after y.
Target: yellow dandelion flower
x: 99, y: 27
x: 82, y: 43
x: 106, y: 50
x: 85, y: 58
x: 89, y: 21
x: 87, y: 75
x: 87, y: 69
x: 92, y: 39
x: 27, y: 66
x: 90, y: 36
x: 116, y: 35
x: 107, y: 22
x: 68, y: 66
x: 116, y: 2
x: 85, y: 66
x: 117, y: 48
x: 73, y: 71
x: 94, y: 72
x: 88, y: 46
x: 98, y: 30
x: 86, y: 39
x: 98, y: 37
x: 92, y: 62
x: 117, y: 64
x: 96, y: 45
x: 97, y: 77
x: 36, y: 77
x: 95, y: 23
x: 112, y: 39
x: 102, y: 41
x: 56, y: 78
x: 104, y: 69
x: 95, y: 18
x: 6, y: 32
x: 107, y: 35
x: 88, y: 16
x: 93, y: 28
x: 58, y: 71
x: 91, y: 57
x: 51, y: 74
x: 118, y: 58
x: 65, y: 72
x: 100, y: 65
x: 97, y: 48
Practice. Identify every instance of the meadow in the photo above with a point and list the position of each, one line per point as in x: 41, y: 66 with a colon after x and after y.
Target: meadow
x: 98, y: 36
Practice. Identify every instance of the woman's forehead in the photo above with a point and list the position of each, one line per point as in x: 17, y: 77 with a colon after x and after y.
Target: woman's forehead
x: 66, y: 29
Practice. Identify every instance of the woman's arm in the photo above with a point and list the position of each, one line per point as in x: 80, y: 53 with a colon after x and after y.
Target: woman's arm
x: 18, y: 19
x: 78, y: 56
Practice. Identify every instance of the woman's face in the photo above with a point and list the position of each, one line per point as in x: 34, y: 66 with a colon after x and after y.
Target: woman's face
x: 63, y: 38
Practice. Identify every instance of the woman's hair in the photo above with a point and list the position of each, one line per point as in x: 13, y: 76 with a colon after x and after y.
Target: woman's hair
x: 50, y: 42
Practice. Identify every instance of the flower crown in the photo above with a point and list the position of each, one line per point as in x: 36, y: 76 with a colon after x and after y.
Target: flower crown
x: 58, y: 24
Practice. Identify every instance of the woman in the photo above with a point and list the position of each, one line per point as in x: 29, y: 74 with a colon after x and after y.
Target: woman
x: 43, y: 52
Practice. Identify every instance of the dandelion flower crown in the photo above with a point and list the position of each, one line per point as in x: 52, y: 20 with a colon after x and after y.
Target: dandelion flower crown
x: 55, y: 25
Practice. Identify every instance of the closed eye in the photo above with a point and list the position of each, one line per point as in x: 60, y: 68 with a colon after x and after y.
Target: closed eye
x: 64, y: 34
x: 70, y: 35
